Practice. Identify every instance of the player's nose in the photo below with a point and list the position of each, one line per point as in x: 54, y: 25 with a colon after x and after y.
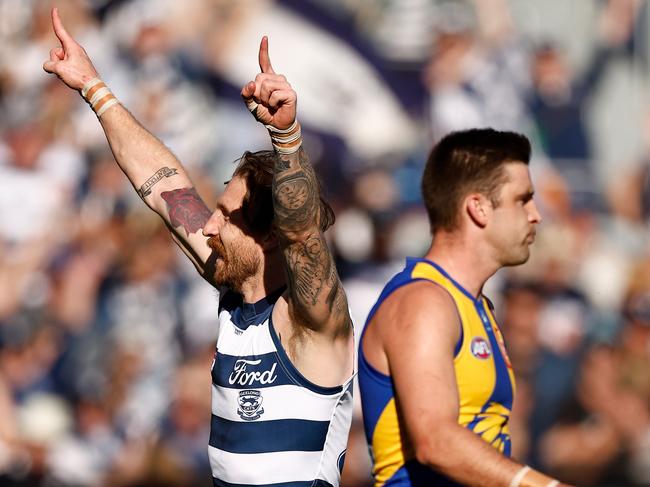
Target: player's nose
x: 534, y: 215
x: 213, y: 226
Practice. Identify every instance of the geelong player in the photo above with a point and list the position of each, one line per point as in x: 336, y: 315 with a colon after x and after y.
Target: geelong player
x: 281, y: 380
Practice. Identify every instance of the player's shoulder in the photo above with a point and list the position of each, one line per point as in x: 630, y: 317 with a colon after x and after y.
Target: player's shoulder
x: 417, y: 302
x: 421, y: 293
x: 415, y: 314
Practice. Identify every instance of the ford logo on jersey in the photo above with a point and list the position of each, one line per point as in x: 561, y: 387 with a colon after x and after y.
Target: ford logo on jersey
x: 250, y: 404
x: 241, y: 376
x: 480, y: 348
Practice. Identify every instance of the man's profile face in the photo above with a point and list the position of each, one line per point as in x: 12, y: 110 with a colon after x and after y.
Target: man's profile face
x: 513, y: 220
x: 238, y: 255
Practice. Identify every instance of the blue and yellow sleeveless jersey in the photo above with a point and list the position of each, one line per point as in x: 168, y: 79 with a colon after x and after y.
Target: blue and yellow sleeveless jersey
x: 484, y: 378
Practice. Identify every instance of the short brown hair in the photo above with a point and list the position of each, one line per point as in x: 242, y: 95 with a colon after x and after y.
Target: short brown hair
x: 256, y: 168
x: 465, y: 162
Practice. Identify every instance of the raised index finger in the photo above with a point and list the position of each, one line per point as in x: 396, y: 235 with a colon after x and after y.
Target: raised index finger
x: 66, y: 39
x: 265, y: 60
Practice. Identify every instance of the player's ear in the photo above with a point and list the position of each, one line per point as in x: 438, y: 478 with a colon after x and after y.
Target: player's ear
x: 477, y: 207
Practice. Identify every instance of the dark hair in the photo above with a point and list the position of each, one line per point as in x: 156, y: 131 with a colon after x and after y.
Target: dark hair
x: 465, y: 162
x: 256, y: 168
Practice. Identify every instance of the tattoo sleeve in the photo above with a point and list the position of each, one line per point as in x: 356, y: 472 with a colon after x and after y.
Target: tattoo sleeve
x: 186, y: 209
x: 295, y: 193
x: 313, y: 281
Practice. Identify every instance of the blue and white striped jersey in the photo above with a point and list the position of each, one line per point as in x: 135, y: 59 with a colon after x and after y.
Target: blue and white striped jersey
x: 270, y: 425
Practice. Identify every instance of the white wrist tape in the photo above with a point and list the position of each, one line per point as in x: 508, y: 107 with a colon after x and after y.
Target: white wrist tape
x: 519, y: 476
x: 286, y: 141
x: 98, y: 96
x: 107, y: 105
x: 88, y: 85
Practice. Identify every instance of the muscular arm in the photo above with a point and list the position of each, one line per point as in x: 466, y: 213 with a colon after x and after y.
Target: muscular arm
x: 317, y: 297
x: 160, y: 180
x: 156, y: 174
x: 426, y: 389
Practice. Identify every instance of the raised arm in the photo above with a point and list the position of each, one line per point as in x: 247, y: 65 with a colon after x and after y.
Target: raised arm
x: 158, y: 177
x: 316, y: 297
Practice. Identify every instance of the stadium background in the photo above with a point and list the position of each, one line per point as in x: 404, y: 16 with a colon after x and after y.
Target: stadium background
x: 106, y: 333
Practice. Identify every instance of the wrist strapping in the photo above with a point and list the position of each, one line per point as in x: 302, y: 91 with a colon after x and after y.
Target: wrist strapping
x: 519, y: 476
x: 98, y: 96
x: 527, y: 477
x: 286, y: 141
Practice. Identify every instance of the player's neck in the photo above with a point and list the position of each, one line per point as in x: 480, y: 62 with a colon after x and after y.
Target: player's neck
x: 265, y: 282
x: 463, y: 260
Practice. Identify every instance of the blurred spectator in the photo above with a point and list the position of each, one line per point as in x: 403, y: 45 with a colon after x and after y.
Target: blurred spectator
x: 478, y: 72
x: 106, y: 335
x: 559, y: 98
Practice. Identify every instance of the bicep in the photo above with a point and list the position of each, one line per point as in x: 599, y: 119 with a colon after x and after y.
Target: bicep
x: 185, y: 214
x: 420, y: 356
x: 316, y: 295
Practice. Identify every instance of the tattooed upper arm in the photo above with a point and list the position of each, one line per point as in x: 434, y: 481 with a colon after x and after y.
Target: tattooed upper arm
x: 187, y: 214
x: 170, y: 193
x: 314, y: 286
x: 186, y: 209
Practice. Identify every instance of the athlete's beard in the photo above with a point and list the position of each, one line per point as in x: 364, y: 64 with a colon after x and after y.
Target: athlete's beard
x: 233, y: 267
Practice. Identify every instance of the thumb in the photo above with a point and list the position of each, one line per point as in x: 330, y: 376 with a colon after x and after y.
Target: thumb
x: 49, y: 66
x: 248, y: 90
x: 247, y: 93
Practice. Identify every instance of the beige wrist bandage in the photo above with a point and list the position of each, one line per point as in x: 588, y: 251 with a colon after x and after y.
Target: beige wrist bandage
x: 527, y: 477
x: 286, y: 141
x: 98, y: 96
x: 519, y: 476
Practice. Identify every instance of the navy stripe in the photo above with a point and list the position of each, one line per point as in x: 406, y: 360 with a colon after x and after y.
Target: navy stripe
x: 268, y: 436
x: 304, y: 483
x: 294, y: 373
x: 244, y: 314
x: 229, y: 301
x: 267, y: 373
x: 502, y: 393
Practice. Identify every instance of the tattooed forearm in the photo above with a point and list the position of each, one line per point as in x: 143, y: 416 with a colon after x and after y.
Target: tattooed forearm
x: 314, y: 285
x: 163, y: 172
x: 295, y: 193
x: 186, y: 209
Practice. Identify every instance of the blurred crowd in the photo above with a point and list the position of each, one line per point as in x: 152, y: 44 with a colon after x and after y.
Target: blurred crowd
x: 107, y: 333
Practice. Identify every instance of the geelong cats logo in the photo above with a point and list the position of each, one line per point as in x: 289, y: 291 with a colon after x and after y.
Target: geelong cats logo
x: 480, y: 348
x: 250, y: 404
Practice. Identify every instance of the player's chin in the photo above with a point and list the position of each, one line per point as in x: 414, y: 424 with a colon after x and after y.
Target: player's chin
x: 518, y: 258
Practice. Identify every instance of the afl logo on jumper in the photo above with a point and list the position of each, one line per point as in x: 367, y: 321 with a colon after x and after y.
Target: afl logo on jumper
x: 250, y: 404
x: 480, y: 348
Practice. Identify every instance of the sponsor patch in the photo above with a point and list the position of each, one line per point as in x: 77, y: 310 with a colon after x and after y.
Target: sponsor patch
x: 480, y: 348
x: 250, y: 404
